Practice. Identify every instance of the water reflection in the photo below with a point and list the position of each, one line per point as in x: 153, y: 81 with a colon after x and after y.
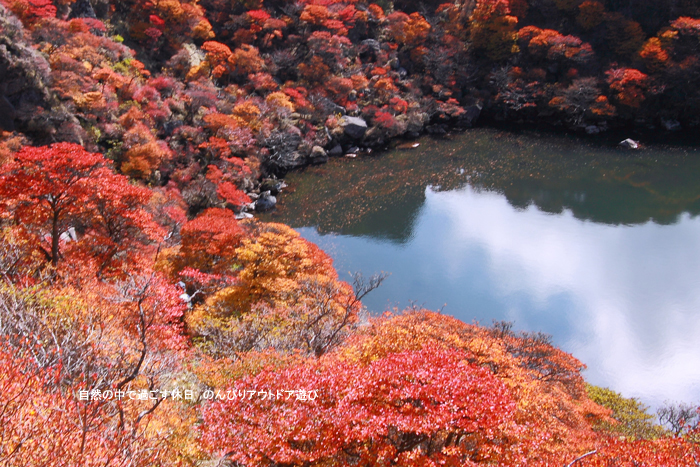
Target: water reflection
x: 598, y: 248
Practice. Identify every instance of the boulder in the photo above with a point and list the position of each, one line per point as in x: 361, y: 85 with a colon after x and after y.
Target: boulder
x: 265, y: 202
x: 7, y: 111
x: 592, y: 130
x: 82, y: 9
x: 437, y: 129
x: 284, y: 153
x: 318, y: 155
x: 471, y: 114
x: 371, y: 44
x: 354, y: 127
x: 336, y: 150
x: 27, y: 104
x: 671, y: 125
x: 629, y: 143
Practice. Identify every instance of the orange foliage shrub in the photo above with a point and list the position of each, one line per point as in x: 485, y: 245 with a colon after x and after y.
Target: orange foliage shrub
x: 411, y: 30
x: 492, y: 29
x: 31, y: 11
x: 550, y: 44
x: 279, y: 100
x: 385, y: 87
x: 270, y: 261
x: 215, y: 122
x: 203, y: 30
x: 339, y: 87
x: 143, y: 152
x: 603, y: 108
x: 359, y: 82
x: 630, y: 85
x: 247, y: 112
x: 376, y: 11
x: 687, y: 26
x: 314, y: 14
x: 218, y: 55
x: 263, y: 82
x: 209, y: 241
x: 315, y: 71
x: 519, y: 8
x: 232, y: 195
x: 9, y: 145
x: 590, y: 14
x: 626, y: 453
x: 654, y: 56
x: 625, y: 37
x: 286, y: 295
x: 245, y: 60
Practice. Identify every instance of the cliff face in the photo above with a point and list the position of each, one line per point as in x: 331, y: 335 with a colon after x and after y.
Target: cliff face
x: 26, y: 102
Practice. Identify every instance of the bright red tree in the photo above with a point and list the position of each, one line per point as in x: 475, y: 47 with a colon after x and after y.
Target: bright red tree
x: 412, y: 407
x: 57, y: 192
x: 45, y: 187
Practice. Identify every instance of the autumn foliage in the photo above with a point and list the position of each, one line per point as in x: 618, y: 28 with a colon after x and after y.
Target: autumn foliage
x: 135, y: 138
x: 55, y: 194
x: 404, y: 407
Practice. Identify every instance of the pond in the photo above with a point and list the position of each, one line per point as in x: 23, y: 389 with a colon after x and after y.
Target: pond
x: 597, y: 246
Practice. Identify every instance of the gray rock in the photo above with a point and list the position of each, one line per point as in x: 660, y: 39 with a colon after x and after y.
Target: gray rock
x: 7, y: 112
x: 27, y: 104
x: 471, y: 114
x: 592, y: 130
x: 318, y: 155
x: 437, y: 129
x: 82, y: 9
x: 371, y: 44
x: 354, y: 127
x: 671, y: 125
x: 266, y: 202
x: 629, y: 144
x: 284, y: 153
x: 336, y: 150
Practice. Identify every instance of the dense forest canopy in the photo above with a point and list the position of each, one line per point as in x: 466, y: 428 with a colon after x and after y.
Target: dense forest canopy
x: 146, y: 319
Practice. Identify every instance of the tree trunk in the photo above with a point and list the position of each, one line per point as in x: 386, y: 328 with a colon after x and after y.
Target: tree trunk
x: 55, y: 237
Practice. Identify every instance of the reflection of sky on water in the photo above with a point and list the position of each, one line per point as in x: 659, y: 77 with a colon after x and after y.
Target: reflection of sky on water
x: 623, y: 299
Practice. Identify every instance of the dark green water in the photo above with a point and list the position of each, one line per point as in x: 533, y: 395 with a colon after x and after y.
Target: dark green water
x: 598, y: 247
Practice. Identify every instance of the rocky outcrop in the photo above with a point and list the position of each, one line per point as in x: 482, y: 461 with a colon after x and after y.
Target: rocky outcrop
x: 318, y: 155
x: 82, y: 9
x: 265, y: 202
x: 354, y: 127
x: 284, y: 153
x: 26, y: 102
